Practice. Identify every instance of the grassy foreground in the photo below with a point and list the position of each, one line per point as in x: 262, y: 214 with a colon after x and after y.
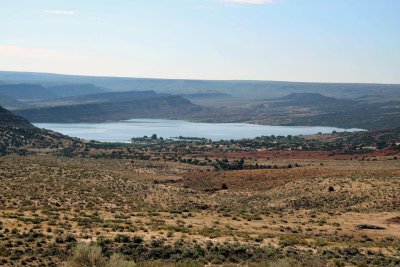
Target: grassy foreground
x: 58, y: 211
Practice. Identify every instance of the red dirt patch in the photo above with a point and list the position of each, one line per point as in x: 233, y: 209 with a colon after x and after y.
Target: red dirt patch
x: 247, y: 180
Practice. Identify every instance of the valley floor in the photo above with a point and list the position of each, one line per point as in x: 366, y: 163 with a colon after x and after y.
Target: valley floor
x: 159, y: 212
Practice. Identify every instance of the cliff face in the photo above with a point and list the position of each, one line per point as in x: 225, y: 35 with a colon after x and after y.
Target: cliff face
x: 8, y: 118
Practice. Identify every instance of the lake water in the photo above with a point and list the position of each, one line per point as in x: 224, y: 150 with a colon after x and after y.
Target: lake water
x: 123, y: 131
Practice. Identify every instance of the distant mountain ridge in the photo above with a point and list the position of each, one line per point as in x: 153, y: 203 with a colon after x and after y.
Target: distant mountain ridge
x: 239, y: 88
x: 114, y: 96
x: 261, y: 102
x: 96, y: 98
x: 31, y: 91
x: 26, y: 91
x: 158, y: 107
x: 313, y: 99
x: 205, y: 96
x: 68, y: 90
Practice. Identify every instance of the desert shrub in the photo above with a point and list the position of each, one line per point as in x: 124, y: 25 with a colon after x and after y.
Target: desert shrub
x: 4, y: 252
x: 118, y: 260
x: 292, y: 241
x: 87, y: 255
x: 122, y: 239
x: 338, y: 263
x: 137, y: 239
x: 59, y: 240
x: 70, y: 238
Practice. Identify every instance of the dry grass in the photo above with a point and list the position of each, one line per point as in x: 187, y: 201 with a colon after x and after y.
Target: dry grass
x: 49, y: 204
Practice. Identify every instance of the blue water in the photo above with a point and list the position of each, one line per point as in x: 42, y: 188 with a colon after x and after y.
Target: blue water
x: 123, y: 131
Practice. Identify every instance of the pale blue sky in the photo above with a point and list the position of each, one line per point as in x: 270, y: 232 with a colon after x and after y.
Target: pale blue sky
x: 293, y: 40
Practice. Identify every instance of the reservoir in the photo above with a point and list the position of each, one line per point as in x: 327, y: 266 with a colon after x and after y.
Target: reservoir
x: 123, y: 131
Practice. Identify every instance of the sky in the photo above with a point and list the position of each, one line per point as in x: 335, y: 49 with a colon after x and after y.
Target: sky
x: 286, y: 40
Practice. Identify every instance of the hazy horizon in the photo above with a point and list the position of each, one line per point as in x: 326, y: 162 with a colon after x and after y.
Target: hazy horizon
x: 187, y: 79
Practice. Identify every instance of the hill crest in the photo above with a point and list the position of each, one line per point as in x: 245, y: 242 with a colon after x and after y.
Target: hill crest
x: 7, y: 118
